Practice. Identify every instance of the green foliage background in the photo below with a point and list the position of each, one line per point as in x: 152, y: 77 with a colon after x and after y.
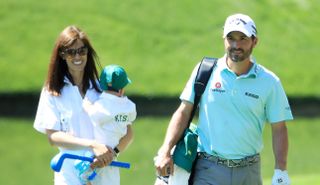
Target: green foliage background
x: 25, y: 154
x: 159, y: 42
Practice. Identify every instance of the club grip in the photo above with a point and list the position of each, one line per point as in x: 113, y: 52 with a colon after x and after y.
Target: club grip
x: 120, y: 164
x: 113, y: 163
x: 57, y: 161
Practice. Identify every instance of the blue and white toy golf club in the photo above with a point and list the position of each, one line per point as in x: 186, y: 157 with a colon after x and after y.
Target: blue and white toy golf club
x: 57, y: 161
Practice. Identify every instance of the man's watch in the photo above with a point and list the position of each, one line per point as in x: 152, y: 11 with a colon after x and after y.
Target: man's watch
x: 116, y: 150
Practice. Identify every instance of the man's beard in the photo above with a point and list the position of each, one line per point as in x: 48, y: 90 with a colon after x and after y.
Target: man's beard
x: 239, y: 57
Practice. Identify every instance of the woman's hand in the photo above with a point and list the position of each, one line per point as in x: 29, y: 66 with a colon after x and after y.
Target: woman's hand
x: 103, y: 155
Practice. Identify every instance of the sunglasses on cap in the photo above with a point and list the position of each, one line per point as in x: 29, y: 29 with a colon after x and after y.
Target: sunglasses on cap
x: 73, y: 52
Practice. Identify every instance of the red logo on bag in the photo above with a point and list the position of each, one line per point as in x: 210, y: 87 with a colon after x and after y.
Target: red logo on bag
x: 218, y: 85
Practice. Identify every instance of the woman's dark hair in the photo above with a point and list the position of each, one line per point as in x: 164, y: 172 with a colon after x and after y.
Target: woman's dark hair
x: 58, y: 68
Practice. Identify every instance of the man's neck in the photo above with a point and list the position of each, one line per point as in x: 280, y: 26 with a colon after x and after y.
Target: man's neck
x: 239, y: 68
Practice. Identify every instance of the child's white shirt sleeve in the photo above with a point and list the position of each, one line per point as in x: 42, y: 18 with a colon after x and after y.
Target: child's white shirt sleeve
x: 132, y: 111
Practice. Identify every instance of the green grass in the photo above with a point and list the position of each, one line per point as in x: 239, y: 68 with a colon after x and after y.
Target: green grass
x: 158, y: 42
x: 25, y: 154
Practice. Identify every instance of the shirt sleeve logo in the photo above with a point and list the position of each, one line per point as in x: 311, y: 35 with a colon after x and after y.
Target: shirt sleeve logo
x: 121, y: 118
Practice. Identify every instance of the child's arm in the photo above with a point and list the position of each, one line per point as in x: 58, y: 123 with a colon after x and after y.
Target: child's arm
x: 126, y: 140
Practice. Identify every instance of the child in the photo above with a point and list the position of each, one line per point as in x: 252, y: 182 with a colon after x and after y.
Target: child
x: 112, y: 114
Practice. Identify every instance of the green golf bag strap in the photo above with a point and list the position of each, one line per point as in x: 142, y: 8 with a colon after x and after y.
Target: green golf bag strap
x: 203, y: 75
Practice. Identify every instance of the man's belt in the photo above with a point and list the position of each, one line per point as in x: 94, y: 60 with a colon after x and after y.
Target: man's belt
x: 231, y: 163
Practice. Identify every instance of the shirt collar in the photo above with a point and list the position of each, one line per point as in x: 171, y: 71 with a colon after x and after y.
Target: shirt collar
x: 253, y: 72
x: 68, y: 82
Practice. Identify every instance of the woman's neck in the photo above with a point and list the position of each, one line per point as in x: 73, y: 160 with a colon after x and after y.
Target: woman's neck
x: 77, y: 77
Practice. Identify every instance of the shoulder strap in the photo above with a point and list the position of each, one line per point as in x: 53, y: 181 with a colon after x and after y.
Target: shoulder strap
x: 204, y: 72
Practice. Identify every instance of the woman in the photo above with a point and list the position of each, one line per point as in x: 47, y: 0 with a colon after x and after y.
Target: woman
x: 72, y: 77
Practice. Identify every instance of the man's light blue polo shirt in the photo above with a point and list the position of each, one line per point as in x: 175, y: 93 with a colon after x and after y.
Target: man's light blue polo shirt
x: 234, y: 109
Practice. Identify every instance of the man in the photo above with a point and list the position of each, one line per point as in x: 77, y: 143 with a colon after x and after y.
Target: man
x: 240, y: 97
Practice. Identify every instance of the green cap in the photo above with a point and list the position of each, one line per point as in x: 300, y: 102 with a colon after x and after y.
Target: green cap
x: 186, y: 149
x: 114, y: 75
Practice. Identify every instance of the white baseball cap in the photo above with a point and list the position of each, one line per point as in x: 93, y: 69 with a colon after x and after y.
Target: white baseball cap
x: 241, y: 23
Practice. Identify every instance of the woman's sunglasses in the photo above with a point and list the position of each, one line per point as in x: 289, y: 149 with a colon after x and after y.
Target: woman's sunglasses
x: 73, y: 52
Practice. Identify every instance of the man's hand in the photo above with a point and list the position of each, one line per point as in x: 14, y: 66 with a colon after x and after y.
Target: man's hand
x: 163, y: 163
x: 178, y: 123
x: 280, y: 177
